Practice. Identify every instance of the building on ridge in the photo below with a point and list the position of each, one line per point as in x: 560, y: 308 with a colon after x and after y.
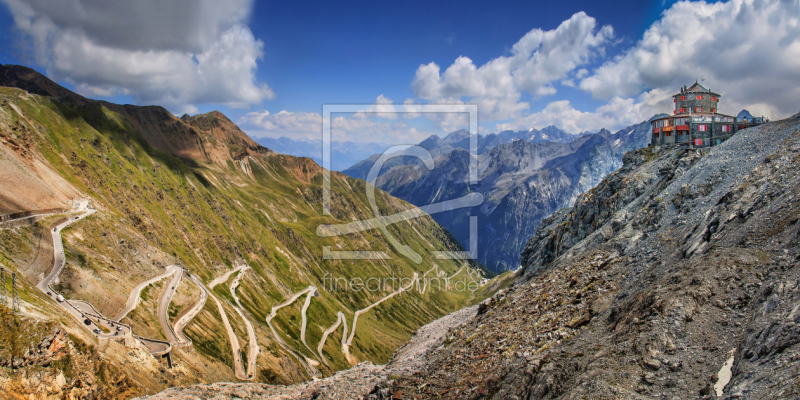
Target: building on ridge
x: 695, y: 121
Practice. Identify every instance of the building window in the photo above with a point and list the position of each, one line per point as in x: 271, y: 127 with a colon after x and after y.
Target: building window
x: 713, y: 110
x: 701, y: 128
x: 683, y: 98
x: 726, y: 128
x: 699, y: 97
x: 698, y: 109
x: 675, y: 100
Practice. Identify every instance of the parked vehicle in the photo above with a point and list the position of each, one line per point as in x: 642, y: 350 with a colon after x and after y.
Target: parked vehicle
x: 60, y: 298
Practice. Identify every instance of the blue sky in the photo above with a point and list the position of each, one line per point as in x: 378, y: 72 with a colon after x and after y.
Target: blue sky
x: 579, y: 65
x: 352, y: 54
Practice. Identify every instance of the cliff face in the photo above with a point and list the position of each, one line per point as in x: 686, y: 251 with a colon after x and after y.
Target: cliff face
x: 568, y: 226
x: 675, y: 265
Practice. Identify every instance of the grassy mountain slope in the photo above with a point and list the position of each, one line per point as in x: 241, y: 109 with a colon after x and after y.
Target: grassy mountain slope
x: 197, y: 191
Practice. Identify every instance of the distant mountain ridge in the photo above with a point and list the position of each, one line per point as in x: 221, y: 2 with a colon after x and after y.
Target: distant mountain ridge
x: 459, y: 139
x: 343, y: 153
x: 523, y: 177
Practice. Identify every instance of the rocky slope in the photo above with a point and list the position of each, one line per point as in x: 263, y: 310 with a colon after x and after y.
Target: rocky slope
x: 434, y: 144
x: 522, y: 181
x: 39, y: 359
x: 212, y: 138
x: 198, y: 192
x: 675, y: 266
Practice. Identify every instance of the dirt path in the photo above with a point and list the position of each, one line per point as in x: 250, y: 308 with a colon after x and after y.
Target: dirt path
x: 253, y: 349
x: 339, y: 319
x: 184, y: 320
x: 133, y: 298
x: 304, y: 361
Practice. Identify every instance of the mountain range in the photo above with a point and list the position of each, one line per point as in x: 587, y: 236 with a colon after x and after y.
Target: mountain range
x: 523, y: 176
x: 459, y: 139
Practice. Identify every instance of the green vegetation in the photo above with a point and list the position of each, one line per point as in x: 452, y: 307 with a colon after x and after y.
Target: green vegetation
x: 206, y: 215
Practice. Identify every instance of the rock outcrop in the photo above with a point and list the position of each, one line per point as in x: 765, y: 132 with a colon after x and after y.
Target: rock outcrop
x: 40, y: 360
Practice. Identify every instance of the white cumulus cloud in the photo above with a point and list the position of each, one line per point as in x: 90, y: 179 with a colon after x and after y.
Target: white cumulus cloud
x: 747, y: 50
x: 178, y: 53
x: 304, y: 125
x: 616, y: 114
x: 537, y: 60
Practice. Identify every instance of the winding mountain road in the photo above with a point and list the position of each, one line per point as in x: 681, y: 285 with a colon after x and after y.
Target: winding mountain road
x: 183, y: 340
x: 346, y: 346
x: 238, y: 365
x: 108, y: 328
x: 304, y: 317
x: 89, y: 317
x: 304, y: 361
x: 224, y: 277
x: 133, y: 298
x: 340, y: 317
x: 253, y: 349
x: 163, y: 305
